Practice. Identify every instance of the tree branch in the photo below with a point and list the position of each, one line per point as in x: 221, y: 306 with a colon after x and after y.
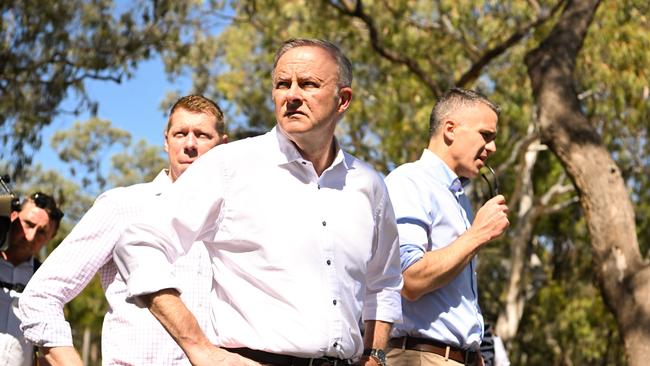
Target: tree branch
x: 377, y: 45
x: 556, y: 189
x: 475, y: 70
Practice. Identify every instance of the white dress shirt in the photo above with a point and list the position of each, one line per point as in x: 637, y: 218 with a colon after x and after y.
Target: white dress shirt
x: 130, y: 334
x: 14, y: 349
x: 432, y: 211
x: 297, y: 259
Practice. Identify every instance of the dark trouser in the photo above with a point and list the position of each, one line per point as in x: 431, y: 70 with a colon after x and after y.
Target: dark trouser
x: 274, y: 359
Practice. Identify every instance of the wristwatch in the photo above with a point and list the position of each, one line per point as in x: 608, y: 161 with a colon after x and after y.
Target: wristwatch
x: 376, y: 353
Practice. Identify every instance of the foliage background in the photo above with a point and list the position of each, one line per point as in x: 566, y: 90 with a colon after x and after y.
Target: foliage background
x: 405, y: 54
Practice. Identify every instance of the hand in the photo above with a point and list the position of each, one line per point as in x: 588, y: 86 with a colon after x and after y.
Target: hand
x: 491, y: 220
x: 63, y: 355
x: 219, y: 356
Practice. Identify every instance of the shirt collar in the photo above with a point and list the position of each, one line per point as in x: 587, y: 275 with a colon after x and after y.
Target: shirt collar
x: 442, y: 173
x: 289, y: 153
x: 162, y: 177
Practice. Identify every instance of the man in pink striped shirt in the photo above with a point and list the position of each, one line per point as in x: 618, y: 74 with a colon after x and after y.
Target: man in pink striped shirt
x: 130, y: 334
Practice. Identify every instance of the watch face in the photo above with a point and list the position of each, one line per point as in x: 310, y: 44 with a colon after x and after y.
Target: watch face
x: 379, y: 355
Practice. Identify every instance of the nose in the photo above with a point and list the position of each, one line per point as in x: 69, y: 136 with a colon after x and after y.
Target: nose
x: 30, y: 234
x: 191, y: 147
x: 190, y: 141
x: 491, y: 147
x: 294, y: 95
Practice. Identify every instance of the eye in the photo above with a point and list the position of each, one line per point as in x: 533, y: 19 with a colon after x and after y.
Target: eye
x: 203, y: 135
x: 488, y: 136
x: 282, y: 84
x: 179, y: 134
x: 310, y: 84
x: 41, y: 233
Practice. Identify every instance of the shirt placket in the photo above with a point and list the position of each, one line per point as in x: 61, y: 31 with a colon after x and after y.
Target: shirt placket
x: 327, y: 246
x: 465, y: 212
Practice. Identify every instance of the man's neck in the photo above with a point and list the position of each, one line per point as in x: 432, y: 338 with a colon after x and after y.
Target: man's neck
x: 441, y: 150
x: 318, y: 147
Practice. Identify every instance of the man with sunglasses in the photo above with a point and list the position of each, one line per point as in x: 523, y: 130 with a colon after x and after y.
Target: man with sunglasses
x: 130, y: 334
x: 439, y: 238
x: 33, y: 224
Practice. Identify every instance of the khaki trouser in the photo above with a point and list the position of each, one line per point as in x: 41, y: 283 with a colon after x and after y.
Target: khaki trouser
x: 406, y: 357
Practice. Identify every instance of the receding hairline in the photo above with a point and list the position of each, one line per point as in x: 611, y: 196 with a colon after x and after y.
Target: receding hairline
x: 198, y: 104
x: 343, y: 64
x: 454, y: 100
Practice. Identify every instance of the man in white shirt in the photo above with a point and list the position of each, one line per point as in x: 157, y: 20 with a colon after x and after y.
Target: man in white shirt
x: 130, y: 335
x: 301, y: 235
x: 33, y: 224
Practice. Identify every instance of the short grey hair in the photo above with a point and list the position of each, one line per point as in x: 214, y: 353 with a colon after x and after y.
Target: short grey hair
x: 454, y: 99
x: 342, y: 62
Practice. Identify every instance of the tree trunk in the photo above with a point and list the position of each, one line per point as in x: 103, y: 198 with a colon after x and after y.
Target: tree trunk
x: 621, y: 273
x: 515, y: 299
x: 85, y: 348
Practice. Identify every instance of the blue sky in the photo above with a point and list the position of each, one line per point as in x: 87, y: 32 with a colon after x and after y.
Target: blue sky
x: 133, y: 105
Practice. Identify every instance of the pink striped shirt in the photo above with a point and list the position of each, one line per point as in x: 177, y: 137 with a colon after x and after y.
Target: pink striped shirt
x: 130, y: 334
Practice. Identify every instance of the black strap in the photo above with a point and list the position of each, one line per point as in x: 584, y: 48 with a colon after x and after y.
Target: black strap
x: 37, y: 264
x: 18, y: 287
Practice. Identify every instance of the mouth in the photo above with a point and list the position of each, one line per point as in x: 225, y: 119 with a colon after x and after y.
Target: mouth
x: 292, y: 113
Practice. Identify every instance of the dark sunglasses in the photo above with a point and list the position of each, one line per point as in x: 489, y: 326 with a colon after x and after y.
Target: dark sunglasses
x: 493, y: 185
x: 47, y: 202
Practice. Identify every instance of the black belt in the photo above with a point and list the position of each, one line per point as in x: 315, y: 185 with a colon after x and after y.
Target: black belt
x: 274, y: 359
x: 430, y: 345
x: 18, y: 287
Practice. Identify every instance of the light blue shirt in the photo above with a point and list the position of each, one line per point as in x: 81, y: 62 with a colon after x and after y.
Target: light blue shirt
x: 432, y: 211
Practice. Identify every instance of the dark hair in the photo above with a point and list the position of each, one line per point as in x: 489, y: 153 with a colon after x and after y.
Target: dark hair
x: 451, y: 101
x: 198, y: 104
x: 342, y: 62
x: 48, y: 204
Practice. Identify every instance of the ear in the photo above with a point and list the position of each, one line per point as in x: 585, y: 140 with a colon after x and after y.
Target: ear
x: 13, y: 215
x: 448, y: 128
x: 224, y: 139
x: 345, y: 97
x: 165, y: 145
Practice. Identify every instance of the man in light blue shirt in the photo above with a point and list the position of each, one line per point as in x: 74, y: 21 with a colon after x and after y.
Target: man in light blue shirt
x: 439, y: 237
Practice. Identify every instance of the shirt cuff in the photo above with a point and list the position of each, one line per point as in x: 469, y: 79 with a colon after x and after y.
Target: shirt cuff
x: 387, y: 307
x: 409, y: 254
x: 149, y: 279
x: 57, y: 334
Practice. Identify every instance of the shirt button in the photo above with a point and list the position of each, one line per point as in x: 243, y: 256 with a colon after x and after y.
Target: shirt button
x: 335, y: 344
x: 329, y: 262
x: 324, y: 223
x: 334, y: 302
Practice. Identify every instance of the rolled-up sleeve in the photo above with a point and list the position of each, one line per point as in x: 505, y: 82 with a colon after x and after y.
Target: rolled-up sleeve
x: 384, y: 278
x: 67, y: 271
x: 413, y: 213
x: 187, y: 212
